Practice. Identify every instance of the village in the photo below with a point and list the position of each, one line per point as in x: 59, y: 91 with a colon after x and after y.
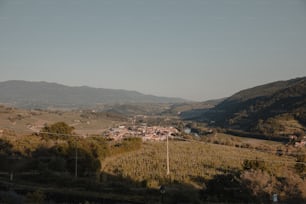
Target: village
x: 146, y: 133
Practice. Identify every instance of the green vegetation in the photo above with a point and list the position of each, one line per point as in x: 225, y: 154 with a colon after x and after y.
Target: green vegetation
x: 126, y: 145
x: 300, y: 165
x: 276, y: 109
x: 56, y: 131
x: 55, y: 156
x: 219, y: 171
x: 58, y: 152
x: 254, y: 165
x: 216, y: 168
x: 190, y: 159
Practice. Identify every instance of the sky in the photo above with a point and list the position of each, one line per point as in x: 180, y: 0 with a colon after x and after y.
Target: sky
x: 193, y: 49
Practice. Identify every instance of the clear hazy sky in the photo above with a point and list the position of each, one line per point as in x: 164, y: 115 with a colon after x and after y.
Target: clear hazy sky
x: 195, y: 49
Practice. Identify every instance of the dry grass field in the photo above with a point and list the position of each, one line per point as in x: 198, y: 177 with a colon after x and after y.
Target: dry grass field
x: 213, y: 168
x: 198, y: 164
x: 189, y: 160
x: 24, y: 122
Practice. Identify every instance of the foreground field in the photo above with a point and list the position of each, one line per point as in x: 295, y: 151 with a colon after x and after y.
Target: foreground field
x: 220, y: 168
x: 198, y: 164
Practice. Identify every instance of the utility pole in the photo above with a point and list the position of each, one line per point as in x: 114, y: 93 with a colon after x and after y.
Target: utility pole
x: 76, y: 159
x: 168, y: 168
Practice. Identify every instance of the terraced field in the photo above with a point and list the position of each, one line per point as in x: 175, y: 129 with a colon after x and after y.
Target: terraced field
x: 191, y: 162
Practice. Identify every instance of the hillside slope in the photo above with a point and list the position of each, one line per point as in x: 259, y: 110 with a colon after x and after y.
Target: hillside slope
x: 277, y: 108
x: 22, y: 122
x: 26, y: 94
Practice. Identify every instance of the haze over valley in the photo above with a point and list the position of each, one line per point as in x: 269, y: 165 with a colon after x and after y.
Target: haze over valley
x: 266, y: 123
x: 152, y: 101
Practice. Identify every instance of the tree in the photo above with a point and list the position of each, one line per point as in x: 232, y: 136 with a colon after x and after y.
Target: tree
x: 57, y: 130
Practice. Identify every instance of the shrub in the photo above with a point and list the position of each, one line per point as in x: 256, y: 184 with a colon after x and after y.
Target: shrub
x: 300, y: 166
x: 152, y: 183
x: 127, y: 145
x: 57, y: 130
x: 254, y: 164
x: 35, y: 197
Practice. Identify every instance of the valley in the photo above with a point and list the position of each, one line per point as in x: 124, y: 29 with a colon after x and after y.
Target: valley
x: 236, y: 149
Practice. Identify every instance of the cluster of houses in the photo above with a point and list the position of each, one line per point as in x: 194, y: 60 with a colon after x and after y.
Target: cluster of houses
x: 298, y: 142
x: 301, y: 143
x: 154, y: 133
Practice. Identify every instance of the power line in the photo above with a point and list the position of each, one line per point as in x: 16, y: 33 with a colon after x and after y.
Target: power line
x: 59, y: 134
x: 258, y: 159
x: 255, y: 150
x: 179, y: 138
x: 173, y: 137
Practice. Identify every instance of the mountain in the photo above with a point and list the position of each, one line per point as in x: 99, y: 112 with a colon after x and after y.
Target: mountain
x: 192, y: 110
x: 277, y: 108
x: 25, y: 94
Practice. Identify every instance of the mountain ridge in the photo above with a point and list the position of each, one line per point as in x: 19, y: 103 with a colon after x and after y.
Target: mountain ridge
x: 41, y: 94
x: 277, y: 108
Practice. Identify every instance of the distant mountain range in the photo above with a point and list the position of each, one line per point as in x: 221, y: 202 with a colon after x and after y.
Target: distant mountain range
x: 277, y: 108
x: 25, y: 94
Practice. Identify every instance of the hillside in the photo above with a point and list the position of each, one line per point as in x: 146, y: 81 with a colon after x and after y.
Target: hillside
x: 22, y: 122
x: 130, y: 171
x: 209, y: 173
x: 24, y: 94
x: 277, y: 108
x: 193, y: 110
